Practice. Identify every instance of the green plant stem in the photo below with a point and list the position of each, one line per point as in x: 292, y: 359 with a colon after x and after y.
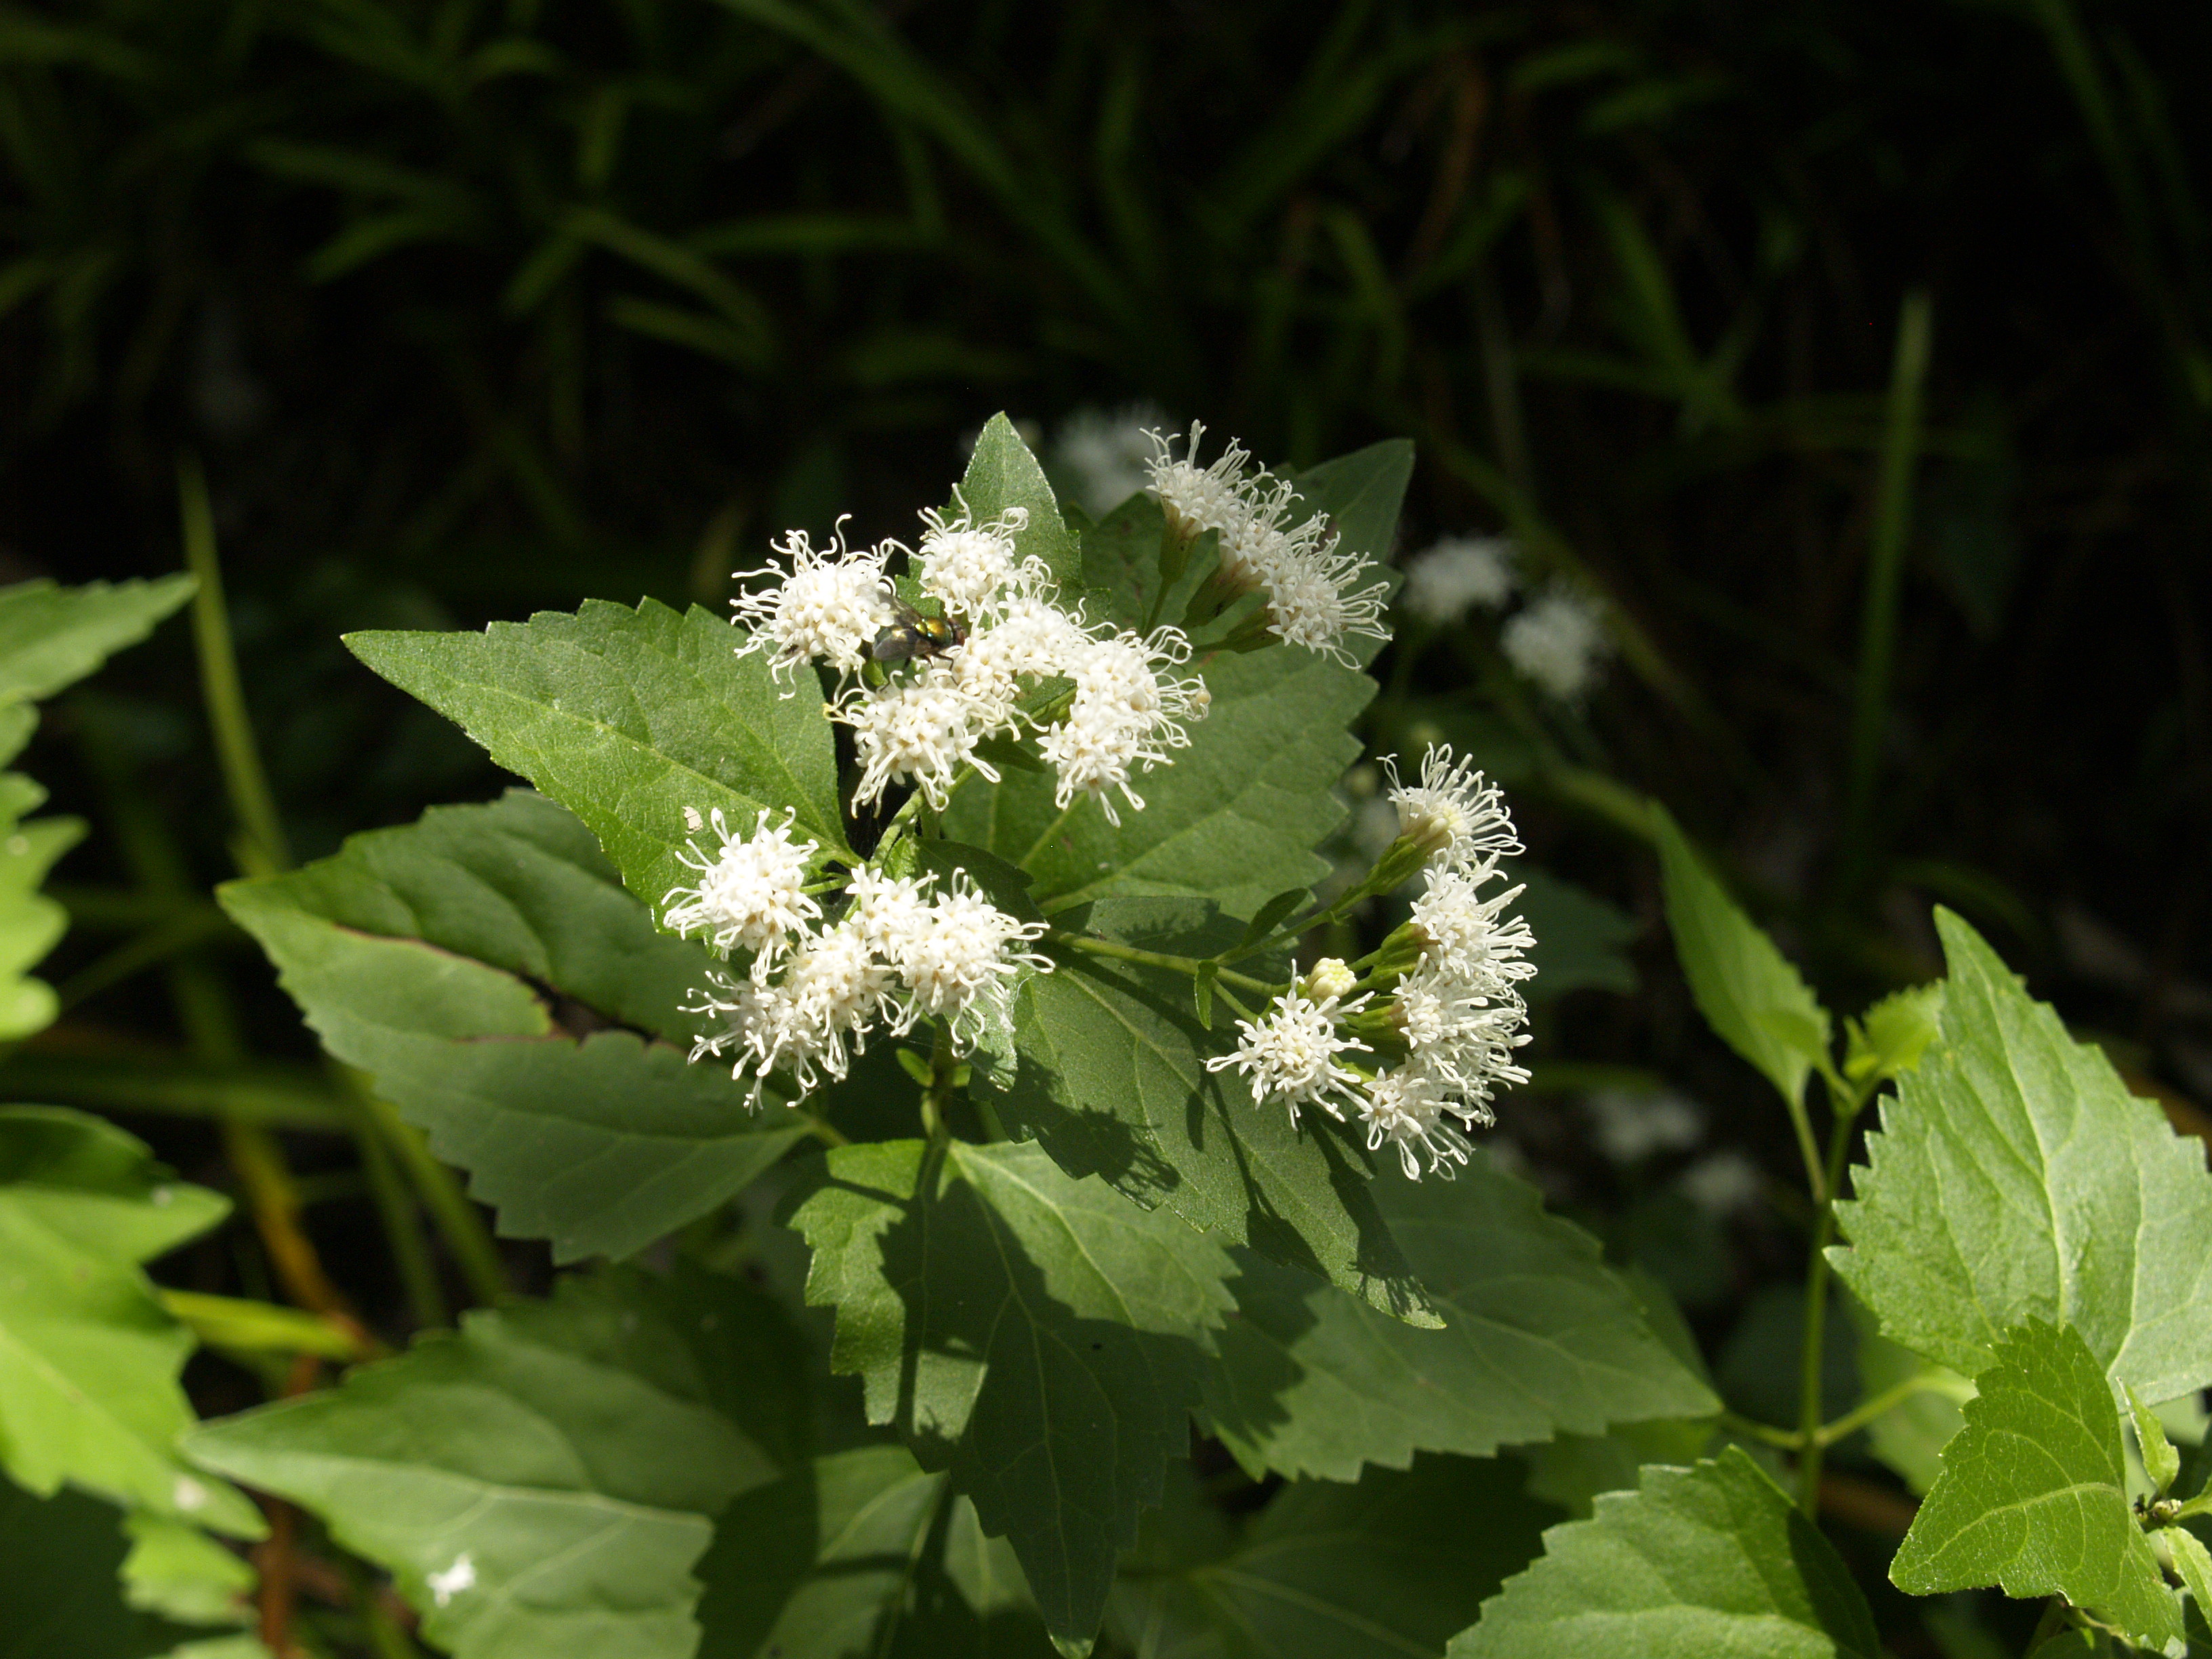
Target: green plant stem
x: 264, y: 851
x: 1812, y: 1351
x: 1766, y: 1433
x: 228, y: 1321
x: 180, y: 932
x: 1893, y: 515
x: 1867, y: 1410
x: 455, y: 1216
x: 387, y: 1638
x: 936, y: 1094
x: 1190, y: 965
x: 186, y: 1089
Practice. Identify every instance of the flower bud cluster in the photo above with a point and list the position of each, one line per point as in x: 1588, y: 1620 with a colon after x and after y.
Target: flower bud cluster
x: 1005, y: 635
x: 899, y: 953
x: 1451, y: 976
x: 1313, y: 597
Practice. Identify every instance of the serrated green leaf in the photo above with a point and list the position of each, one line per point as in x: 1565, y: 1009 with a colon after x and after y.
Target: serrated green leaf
x: 533, y: 1491
x: 628, y: 718
x: 1111, y: 1080
x: 2034, y: 1496
x: 1035, y: 1335
x: 1380, y: 1570
x: 2015, y: 1177
x: 178, y: 1571
x: 60, y: 1593
x: 1234, y: 819
x: 1539, y: 1337
x: 1003, y: 473
x: 88, y: 1360
x: 411, y: 947
x: 1711, y: 1559
x: 1754, y: 998
x: 2193, y: 1562
x: 51, y: 637
x: 2159, y: 1460
x: 1363, y: 493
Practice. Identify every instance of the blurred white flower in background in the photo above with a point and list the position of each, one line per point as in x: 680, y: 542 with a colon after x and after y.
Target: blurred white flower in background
x: 1723, y: 1182
x: 1630, y: 1125
x: 1104, y: 453
x: 1558, y: 641
x: 1446, y: 582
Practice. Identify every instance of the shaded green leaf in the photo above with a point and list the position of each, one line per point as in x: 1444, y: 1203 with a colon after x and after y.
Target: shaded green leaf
x: 484, y: 966
x: 2014, y: 1176
x: 1582, y: 940
x: 1111, y: 1080
x: 177, y: 1570
x: 1539, y: 1336
x: 60, y: 1594
x: 532, y: 1490
x: 1910, y: 1434
x: 2034, y: 1493
x: 50, y: 636
x: 1003, y: 473
x: 1362, y: 493
x: 1234, y: 819
x: 628, y: 718
x: 2193, y: 1562
x: 2161, y: 1462
x: 88, y: 1359
x: 1034, y: 1334
x: 1385, y: 1568
x: 1711, y: 1559
x: 1748, y: 991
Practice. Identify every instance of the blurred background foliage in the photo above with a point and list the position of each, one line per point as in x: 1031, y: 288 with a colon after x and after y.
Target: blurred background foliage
x: 1858, y: 358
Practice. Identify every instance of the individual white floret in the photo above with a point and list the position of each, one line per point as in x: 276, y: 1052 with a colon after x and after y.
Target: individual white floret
x: 1559, y: 641
x: 1471, y: 935
x: 752, y: 892
x: 828, y: 606
x: 1106, y: 453
x: 969, y: 565
x: 1196, y: 499
x: 754, y: 1025
x: 922, y: 730
x: 1408, y: 1109
x: 1290, y: 1053
x: 1454, y: 813
x: 959, y: 964
x: 1446, y: 582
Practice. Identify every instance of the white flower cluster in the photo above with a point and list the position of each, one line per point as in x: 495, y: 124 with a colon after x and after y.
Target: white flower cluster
x: 1456, y: 1011
x: 1558, y: 641
x: 898, y: 954
x: 1103, y: 454
x: 1314, y: 596
x: 1445, y: 582
x: 1005, y: 635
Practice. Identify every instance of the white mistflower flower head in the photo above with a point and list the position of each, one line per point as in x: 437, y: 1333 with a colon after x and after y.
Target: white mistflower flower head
x: 1633, y: 1124
x: 968, y: 565
x: 1290, y: 1054
x: 754, y: 1025
x: 836, y: 987
x: 1454, y: 813
x: 1033, y: 639
x: 959, y: 964
x: 752, y: 892
x: 828, y: 606
x: 1198, y: 499
x: 1406, y: 1109
x: 921, y: 731
x: 1313, y: 600
x: 1446, y: 582
x: 1469, y: 934
x: 1461, y: 1033
x: 1559, y: 641
x: 1332, y: 976
x: 1106, y: 455
x: 1128, y: 711
x: 886, y: 910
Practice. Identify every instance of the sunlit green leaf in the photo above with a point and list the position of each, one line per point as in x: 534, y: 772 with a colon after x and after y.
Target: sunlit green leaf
x: 486, y: 968
x: 1889, y: 1038
x: 2015, y: 1177
x: 540, y: 1482
x: 1748, y: 991
x: 50, y: 636
x: 1038, y: 1336
x: 2034, y: 1493
x: 1002, y: 473
x: 88, y: 1360
x: 1539, y: 1336
x: 630, y: 718
x: 1711, y: 1559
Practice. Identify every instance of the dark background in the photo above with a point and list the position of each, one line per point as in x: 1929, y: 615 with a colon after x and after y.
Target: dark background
x: 472, y: 309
